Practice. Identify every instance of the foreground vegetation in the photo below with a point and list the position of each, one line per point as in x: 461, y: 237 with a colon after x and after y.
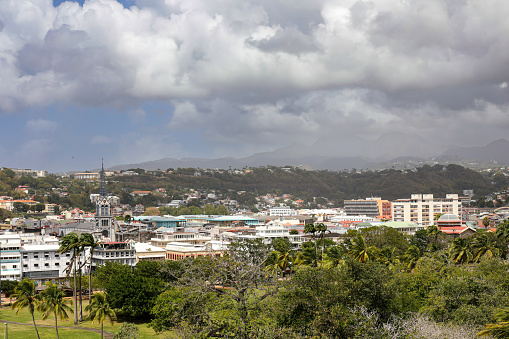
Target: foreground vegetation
x: 378, y: 283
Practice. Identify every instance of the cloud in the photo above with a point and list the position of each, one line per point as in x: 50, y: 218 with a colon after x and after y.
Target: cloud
x: 267, y: 72
x: 100, y: 140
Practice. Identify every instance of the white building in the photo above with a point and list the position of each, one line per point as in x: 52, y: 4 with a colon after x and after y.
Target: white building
x: 10, y: 260
x: 422, y: 208
x: 42, y: 262
x: 114, y: 251
x: 282, y: 211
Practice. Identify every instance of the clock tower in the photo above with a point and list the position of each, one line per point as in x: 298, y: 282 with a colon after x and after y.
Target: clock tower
x: 103, y: 217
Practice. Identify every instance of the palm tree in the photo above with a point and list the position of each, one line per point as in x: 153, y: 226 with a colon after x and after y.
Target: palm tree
x: 321, y: 229
x: 334, y: 256
x: 71, y: 242
x: 411, y: 256
x: 310, y: 228
x: 53, y: 302
x: 99, y: 309
x: 26, y: 297
x: 88, y: 240
x: 460, y: 251
x: 500, y: 329
x: 484, y: 247
x: 486, y: 222
x: 360, y: 249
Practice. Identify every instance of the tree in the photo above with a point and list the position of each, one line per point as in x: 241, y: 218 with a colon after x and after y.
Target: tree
x: 411, y: 256
x: 460, y: 251
x: 500, y: 329
x: 152, y: 211
x: 71, y: 243
x: 99, y: 309
x: 321, y: 228
x: 127, y: 331
x: 486, y: 222
x: 311, y: 229
x: 53, y: 302
x: 360, y: 250
x: 26, y: 298
x: 483, y: 246
x: 220, y: 296
x: 294, y: 232
x: 88, y: 240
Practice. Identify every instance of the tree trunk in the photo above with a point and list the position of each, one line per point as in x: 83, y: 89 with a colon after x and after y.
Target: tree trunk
x: 36, y: 330
x: 56, y: 324
x: 81, y: 297
x: 75, y: 295
x: 102, y: 330
x: 90, y: 279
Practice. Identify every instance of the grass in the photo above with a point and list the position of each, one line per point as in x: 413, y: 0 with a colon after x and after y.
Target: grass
x: 23, y: 332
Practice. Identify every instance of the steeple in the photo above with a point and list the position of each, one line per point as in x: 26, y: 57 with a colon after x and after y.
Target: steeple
x: 103, y: 191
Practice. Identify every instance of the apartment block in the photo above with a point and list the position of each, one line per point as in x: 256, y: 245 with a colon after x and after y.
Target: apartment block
x: 373, y: 207
x: 422, y: 208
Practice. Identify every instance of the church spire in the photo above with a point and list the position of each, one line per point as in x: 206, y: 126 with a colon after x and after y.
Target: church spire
x: 103, y: 191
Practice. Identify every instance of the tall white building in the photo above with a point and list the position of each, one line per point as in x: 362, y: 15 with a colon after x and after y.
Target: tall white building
x: 422, y: 208
x: 10, y: 260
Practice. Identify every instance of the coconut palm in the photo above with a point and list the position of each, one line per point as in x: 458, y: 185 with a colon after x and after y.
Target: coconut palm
x: 334, y: 256
x: 88, y: 240
x: 482, y: 246
x: 71, y: 243
x: 411, y: 256
x: 26, y: 298
x: 486, y: 222
x: 321, y: 229
x: 99, y: 309
x: 360, y: 250
x: 311, y: 229
x: 52, y: 301
x: 500, y: 329
x: 388, y: 257
x: 460, y: 251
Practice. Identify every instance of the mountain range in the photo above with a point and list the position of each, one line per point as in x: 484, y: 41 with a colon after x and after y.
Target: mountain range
x: 349, y: 152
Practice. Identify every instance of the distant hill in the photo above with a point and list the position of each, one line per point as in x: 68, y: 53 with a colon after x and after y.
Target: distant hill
x: 497, y: 150
x: 380, y: 150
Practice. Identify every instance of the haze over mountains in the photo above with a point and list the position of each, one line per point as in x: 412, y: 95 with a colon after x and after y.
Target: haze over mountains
x: 348, y: 152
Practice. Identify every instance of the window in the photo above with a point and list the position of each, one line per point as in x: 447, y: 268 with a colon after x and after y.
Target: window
x: 57, y: 264
x: 14, y: 266
x: 46, y: 264
x: 25, y: 265
x: 25, y: 256
x: 36, y: 265
x: 36, y: 256
x: 57, y: 256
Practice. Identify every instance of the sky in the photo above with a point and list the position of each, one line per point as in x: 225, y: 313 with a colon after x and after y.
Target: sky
x: 141, y: 80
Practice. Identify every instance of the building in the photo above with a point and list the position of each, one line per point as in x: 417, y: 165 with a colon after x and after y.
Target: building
x: 114, y: 251
x: 87, y: 176
x: 29, y: 173
x: 423, y: 208
x: 156, y: 222
x: 163, y: 239
x: 282, y: 210
x: 148, y: 252
x: 373, y: 207
x: 42, y: 262
x: 233, y: 220
x: 181, y: 250
x: 103, y: 217
x: 10, y: 261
